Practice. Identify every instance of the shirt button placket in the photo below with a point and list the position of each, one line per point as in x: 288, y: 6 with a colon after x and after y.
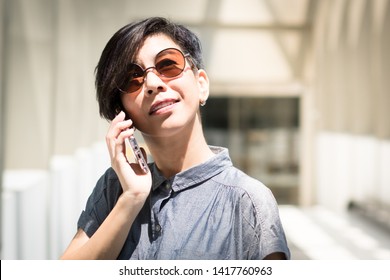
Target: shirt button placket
x: 156, y: 230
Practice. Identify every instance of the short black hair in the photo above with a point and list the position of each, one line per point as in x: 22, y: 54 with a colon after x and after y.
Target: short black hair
x: 122, y: 49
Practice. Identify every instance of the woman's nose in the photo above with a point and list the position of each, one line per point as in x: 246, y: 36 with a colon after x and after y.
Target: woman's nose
x: 153, y: 83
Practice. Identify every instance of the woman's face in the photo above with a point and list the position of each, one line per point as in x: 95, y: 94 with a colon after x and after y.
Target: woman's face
x: 164, y: 106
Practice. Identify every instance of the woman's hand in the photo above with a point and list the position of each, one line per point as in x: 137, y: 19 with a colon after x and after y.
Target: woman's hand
x: 135, y: 183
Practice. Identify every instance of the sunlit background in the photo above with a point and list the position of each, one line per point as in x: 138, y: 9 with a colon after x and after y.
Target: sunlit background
x: 299, y: 94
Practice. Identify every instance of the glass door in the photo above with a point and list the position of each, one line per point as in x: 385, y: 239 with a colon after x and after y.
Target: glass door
x: 262, y: 134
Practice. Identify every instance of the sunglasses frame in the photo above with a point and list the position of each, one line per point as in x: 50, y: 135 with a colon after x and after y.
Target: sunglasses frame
x: 160, y: 75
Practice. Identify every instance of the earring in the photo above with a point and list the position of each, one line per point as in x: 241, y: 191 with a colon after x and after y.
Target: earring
x: 202, y: 102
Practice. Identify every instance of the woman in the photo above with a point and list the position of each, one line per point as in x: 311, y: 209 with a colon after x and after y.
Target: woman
x: 193, y: 204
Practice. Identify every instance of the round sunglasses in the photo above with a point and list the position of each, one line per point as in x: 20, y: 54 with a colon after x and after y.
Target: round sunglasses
x: 169, y: 63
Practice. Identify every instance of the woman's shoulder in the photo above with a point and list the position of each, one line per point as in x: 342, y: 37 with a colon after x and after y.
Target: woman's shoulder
x: 246, y: 185
x: 236, y: 177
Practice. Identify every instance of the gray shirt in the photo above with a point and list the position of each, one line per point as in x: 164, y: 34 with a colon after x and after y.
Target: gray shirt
x: 210, y: 211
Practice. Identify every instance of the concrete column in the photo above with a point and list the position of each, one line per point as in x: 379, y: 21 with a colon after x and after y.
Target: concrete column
x: 28, y: 85
x: 2, y: 113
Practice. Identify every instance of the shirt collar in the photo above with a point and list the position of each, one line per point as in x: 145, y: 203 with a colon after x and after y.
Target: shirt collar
x: 196, y: 174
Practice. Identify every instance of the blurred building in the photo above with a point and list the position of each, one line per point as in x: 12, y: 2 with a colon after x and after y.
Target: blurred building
x: 299, y: 94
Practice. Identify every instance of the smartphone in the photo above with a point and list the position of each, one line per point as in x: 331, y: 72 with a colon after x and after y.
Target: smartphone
x: 139, y: 157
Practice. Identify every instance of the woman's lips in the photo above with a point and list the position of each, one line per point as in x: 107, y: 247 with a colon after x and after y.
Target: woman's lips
x: 161, y: 105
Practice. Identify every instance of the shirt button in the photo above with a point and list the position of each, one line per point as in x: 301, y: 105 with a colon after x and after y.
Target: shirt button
x: 158, y: 228
x: 167, y: 186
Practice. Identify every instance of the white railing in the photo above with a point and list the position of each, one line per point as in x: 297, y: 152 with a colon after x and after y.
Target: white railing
x: 351, y: 168
x: 41, y: 207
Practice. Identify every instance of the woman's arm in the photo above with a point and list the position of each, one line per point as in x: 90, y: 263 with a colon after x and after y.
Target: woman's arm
x: 108, y: 240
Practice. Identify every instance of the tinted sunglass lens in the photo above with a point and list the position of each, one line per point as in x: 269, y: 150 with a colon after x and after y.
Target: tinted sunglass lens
x: 135, y: 84
x: 136, y: 78
x: 135, y: 71
x: 170, y: 63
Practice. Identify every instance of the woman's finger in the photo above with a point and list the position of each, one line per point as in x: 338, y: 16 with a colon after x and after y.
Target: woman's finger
x: 116, y: 127
x: 120, y: 145
x: 110, y: 136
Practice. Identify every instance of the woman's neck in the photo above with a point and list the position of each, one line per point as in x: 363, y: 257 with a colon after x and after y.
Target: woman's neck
x: 180, y: 151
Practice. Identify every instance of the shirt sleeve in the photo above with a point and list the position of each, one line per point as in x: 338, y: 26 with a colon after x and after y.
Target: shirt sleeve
x: 100, y: 203
x: 272, y: 236
x: 262, y: 214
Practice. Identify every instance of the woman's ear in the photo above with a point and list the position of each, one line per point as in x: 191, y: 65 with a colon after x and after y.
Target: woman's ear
x: 203, y: 82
